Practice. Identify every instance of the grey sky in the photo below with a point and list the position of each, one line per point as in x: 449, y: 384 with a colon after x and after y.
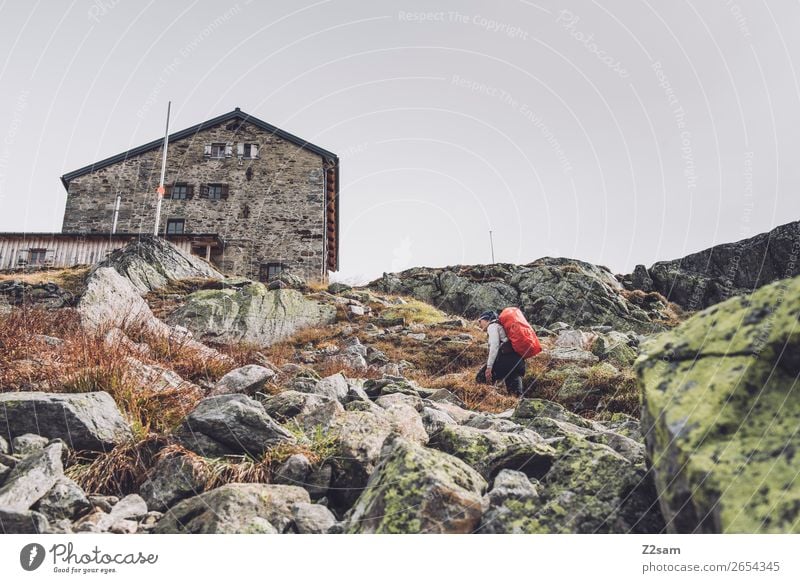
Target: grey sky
x: 614, y: 132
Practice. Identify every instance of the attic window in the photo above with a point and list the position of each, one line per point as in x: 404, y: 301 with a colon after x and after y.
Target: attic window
x: 248, y: 151
x: 175, y: 226
x: 218, y: 150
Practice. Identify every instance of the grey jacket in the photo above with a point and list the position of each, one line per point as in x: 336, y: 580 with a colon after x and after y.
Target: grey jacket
x: 497, y: 335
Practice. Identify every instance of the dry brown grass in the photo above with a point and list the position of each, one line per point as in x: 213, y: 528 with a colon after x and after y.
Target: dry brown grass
x: 119, y: 472
x: 594, y: 390
x: 84, y: 363
x: 71, y: 279
x: 672, y: 313
x: 476, y: 396
x: 435, y: 355
x: 317, y: 285
x: 123, y: 470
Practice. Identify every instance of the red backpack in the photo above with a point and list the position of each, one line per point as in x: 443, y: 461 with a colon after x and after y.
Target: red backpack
x: 523, y: 338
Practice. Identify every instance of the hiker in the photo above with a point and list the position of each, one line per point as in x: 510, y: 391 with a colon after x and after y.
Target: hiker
x: 502, y: 363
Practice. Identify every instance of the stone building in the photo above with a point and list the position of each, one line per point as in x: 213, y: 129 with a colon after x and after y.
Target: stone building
x: 250, y: 197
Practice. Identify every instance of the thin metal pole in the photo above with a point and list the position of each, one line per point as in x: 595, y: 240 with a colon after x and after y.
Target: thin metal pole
x: 491, y: 243
x: 160, y: 191
x: 116, y: 214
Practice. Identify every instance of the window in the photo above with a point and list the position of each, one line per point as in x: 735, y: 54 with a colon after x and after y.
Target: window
x: 175, y: 226
x: 269, y: 271
x: 214, y: 191
x: 247, y: 150
x: 181, y: 191
x: 37, y: 256
x: 218, y: 150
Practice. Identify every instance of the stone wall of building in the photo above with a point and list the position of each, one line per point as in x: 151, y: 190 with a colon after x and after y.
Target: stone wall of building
x: 274, y: 211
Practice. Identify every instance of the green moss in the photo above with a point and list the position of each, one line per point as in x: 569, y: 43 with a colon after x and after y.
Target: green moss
x: 722, y: 414
x: 520, y: 517
x: 415, y: 311
x: 415, y: 490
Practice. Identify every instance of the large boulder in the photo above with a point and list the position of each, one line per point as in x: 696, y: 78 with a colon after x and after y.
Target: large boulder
x: 231, y: 424
x: 547, y: 290
x: 235, y: 509
x: 720, y: 411
x: 150, y: 263
x: 415, y: 489
x: 110, y: 300
x: 360, y: 437
x: 593, y: 489
x: 88, y: 421
x: 112, y: 295
x: 715, y: 274
x: 250, y: 314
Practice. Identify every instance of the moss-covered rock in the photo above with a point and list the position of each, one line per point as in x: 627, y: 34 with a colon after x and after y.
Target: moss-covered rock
x: 251, y: 314
x: 235, y: 509
x: 720, y: 411
x: 415, y: 489
x: 546, y: 290
x: 615, y: 348
x: 511, y: 505
x: 593, y: 489
x: 360, y: 437
x: 491, y: 451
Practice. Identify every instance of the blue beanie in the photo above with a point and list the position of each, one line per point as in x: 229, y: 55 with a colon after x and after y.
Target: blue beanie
x: 488, y: 315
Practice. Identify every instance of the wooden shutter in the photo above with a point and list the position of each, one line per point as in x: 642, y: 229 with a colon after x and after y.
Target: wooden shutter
x: 189, y: 191
x: 224, y: 192
x: 204, y: 191
x: 167, y: 191
x: 254, y: 150
x: 207, y: 150
x: 228, y: 150
x: 240, y: 149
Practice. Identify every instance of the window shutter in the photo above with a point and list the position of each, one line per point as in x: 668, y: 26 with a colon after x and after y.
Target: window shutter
x: 228, y: 150
x: 167, y: 190
x: 240, y: 149
x: 207, y: 150
x: 254, y: 150
x: 224, y: 192
x: 204, y: 191
x: 189, y: 191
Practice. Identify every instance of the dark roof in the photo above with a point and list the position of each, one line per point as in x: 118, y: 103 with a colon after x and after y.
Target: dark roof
x: 235, y: 114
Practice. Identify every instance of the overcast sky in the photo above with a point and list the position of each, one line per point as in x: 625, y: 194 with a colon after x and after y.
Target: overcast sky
x: 617, y: 132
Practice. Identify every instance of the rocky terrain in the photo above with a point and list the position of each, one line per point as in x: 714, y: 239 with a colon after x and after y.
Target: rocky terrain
x: 713, y: 275
x: 152, y: 394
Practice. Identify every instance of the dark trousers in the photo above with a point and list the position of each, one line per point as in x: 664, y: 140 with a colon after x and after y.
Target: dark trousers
x: 509, y: 368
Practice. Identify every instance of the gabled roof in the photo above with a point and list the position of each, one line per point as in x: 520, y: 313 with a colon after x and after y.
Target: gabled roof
x: 233, y: 115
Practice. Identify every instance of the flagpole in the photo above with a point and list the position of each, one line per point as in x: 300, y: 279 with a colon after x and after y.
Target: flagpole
x: 160, y: 191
